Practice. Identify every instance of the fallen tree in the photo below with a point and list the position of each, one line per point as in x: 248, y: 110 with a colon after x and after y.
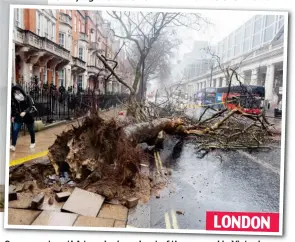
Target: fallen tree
x: 99, y: 152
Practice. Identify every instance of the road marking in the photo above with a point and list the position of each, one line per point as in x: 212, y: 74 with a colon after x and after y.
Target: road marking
x: 174, y: 219
x: 156, y: 161
x: 263, y: 163
x: 159, y: 160
x: 167, y: 221
x: 27, y: 158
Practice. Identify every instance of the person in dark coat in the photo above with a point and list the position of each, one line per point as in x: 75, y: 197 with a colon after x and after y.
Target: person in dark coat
x: 21, y: 113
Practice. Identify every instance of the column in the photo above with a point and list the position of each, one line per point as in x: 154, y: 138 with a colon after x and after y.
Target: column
x: 223, y: 80
x: 26, y: 71
x: 53, y: 76
x: 68, y: 76
x: 220, y: 82
x: 254, y: 77
x: 36, y: 71
x: 208, y: 83
x: 85, y: 79
x: 269, y: 81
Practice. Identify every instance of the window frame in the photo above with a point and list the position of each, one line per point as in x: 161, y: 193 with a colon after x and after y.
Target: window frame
x: 38, y: 23
x: 80, y: 81
x: 82, y: 54
x: 64, y: 39
x: 61, y: 78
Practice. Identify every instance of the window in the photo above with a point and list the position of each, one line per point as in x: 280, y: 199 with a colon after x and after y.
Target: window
x: 18, y: 17
x: 81, y: 53
x: 61, y: 77
x: 45, y: 75
x: 70, y: 42
x: 269, y: 33
x: 80, y: 82
x: 53, y: 32
x: 50, y: 30
x: 246, y: 46
x: 237, y: 50
x: 46, y: 28
x: 61, y: 39
x: 280, y: 22
x: 248, y: 31
x: 83, y: 28
x: 270, y: 19
x: 38, y: 23
x: 257, y: 26
x: 79, y: 26
x: 256, y: 40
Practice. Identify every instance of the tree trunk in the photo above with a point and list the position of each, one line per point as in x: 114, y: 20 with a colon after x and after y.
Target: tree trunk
x: 133, y: 105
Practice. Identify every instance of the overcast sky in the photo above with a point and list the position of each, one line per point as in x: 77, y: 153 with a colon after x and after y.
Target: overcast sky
x: 223, y: 23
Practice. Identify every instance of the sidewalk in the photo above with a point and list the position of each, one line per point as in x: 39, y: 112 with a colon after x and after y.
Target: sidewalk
x: 47, y: 137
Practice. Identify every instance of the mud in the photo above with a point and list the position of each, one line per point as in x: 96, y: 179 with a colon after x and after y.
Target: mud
x: 98, y: 158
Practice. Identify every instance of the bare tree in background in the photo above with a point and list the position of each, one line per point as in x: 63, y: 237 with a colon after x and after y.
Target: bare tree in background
x: 144, y: 29
x: 158, y: 62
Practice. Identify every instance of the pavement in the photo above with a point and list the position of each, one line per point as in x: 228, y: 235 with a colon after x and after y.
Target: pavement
x: 73, y: 211
x: 45, y: 138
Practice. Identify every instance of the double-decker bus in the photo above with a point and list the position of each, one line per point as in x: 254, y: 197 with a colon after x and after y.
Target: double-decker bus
x: 206, y: 96
x: 249, y: 98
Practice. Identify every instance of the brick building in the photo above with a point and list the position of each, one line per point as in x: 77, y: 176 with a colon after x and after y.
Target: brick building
x: 60, y: 46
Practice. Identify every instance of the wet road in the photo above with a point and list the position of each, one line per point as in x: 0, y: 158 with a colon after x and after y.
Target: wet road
x: 237, y: 183
x: 221, y: 181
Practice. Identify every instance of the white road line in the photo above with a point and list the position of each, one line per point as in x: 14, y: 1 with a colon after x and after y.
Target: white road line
x: 167, y: 221
x: 263, y: 163
x: 174, y: 219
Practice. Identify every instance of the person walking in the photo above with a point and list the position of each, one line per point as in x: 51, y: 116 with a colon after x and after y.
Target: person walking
x: 21, y: 113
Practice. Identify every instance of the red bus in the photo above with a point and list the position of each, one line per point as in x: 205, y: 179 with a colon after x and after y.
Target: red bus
x: 249, y: 98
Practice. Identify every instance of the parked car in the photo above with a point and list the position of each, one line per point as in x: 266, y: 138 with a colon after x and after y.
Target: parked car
x: 278, y: 110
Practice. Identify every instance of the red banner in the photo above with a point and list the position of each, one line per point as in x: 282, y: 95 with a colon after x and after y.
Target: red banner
x: 242, y: 221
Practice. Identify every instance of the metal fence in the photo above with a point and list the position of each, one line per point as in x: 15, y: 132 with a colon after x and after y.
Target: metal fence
x: 53, y: 105
x: 58, y: 104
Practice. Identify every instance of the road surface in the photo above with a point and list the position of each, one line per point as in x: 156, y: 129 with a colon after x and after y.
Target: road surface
x: 221, y: 181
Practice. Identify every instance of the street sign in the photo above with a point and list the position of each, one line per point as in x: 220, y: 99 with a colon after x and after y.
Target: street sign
x: 280, y: 90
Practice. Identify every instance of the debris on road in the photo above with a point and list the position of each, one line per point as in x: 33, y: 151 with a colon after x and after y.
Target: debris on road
x: 179, y: 212
x: 62, y: 196
x: 37, y: 201
x: 12, y: 194
x: 132, y: 202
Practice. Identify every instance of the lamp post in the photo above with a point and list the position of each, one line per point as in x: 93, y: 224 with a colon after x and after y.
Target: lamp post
x: 142, y: 73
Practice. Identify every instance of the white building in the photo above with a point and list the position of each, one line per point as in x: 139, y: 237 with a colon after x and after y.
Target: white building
x: 256, y: 48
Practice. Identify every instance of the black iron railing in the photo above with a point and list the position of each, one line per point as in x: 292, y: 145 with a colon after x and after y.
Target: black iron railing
x: 60, y: 104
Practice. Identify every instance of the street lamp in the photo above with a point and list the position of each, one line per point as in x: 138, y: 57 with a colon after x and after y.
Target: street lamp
x: 142, y: 72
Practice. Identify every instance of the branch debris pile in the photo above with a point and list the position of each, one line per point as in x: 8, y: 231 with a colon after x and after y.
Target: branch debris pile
x: 232, y: 129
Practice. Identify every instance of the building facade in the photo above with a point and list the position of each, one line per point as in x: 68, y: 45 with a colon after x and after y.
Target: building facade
x: 256, y: 49
x: 60, y: 47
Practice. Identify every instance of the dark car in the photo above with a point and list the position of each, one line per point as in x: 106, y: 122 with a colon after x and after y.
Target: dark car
x: 278, y: 110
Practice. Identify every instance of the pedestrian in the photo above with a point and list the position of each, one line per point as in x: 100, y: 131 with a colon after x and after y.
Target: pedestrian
x: 21, y: 113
